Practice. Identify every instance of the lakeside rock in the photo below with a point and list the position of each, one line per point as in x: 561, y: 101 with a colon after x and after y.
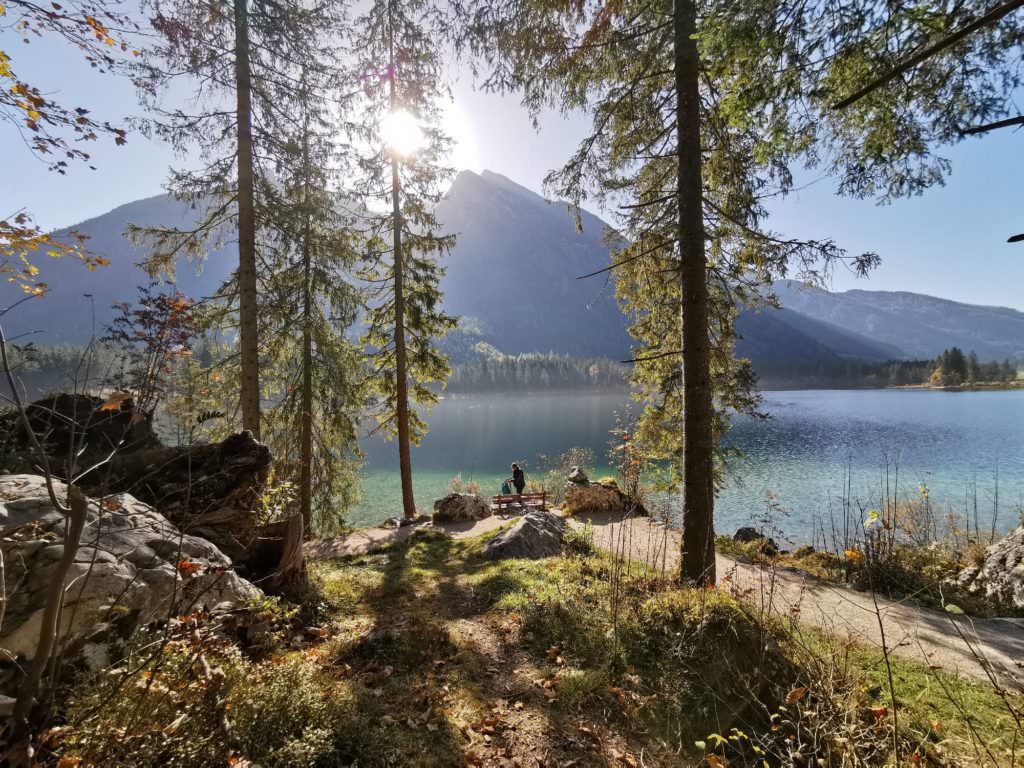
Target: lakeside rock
x: 1000, y: 577
x: 458, y: 507
x: 748, y: 534
x: 536, y: 535
x: 603, y: 497
x: 133, y: 567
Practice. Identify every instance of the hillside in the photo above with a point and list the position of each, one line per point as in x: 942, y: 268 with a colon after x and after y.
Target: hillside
x: 512, y: 277
x: 919, y: 326
x: 514, y: 270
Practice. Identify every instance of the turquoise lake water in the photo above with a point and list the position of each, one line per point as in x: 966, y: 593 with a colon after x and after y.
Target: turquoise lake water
x: 964, y: 446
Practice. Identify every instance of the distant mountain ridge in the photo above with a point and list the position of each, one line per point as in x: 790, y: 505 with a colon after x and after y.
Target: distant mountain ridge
x: 513, y: 276
x: 920, y: 326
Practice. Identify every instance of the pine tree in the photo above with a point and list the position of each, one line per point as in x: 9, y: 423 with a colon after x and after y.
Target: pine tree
x: 238, y: 53
x: 693, y: 129
x: 309, y: 303
x: 401, y: 77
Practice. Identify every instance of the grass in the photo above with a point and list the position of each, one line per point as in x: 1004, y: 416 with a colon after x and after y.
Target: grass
x: 429, y: 654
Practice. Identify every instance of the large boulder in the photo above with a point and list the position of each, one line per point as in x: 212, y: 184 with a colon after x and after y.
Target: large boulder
x: 132, y: 567
x: 999, y: 579
x: 536, y: 535
x: 206, y: 489
x: 458, y: 507
x: 602, y: 497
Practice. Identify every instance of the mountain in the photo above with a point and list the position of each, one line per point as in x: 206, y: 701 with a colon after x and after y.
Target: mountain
x: 65, y: 314
x: 512, y: 278
x: 919, y: 326
x: 515, y: 266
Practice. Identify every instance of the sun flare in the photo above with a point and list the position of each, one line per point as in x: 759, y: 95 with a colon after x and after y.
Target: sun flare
x: 402, y: 133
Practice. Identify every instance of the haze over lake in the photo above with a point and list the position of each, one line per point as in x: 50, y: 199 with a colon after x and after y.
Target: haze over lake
x: 951, y: 441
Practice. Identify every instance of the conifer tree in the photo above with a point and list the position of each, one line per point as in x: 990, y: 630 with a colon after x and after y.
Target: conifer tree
x: 309, y: 303
x: 239, y: 58
x: 401, y: 73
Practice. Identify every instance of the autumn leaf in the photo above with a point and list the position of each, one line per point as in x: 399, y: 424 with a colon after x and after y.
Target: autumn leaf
x: 113, y: 403
x: 795, y: 695
x: 715, y: 761
x: 188, y: 567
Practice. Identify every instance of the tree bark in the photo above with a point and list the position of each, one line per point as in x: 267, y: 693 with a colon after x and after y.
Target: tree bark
x: 401, y: 365
x: 49, y: 633
x: 698, y: 541
x: 306, y: 429
x: 248, y: 322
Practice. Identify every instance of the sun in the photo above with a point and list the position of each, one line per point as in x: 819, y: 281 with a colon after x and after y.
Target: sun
x: 402, y: 133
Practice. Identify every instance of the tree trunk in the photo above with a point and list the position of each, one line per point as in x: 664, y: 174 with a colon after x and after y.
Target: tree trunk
x: 401, y: 373
x: 306, y: 429
x: 401, y: 366
x: 698, y: 545
x: 248, y: 327
x: 49, y: 635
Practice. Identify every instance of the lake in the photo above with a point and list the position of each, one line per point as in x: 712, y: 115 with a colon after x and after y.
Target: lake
x: 962, y: 445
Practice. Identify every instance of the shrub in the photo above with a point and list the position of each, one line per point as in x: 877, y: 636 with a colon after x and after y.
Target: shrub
x: 458, y: 485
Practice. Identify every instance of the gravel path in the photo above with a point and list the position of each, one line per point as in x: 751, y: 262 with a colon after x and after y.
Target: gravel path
x: 955, y: 643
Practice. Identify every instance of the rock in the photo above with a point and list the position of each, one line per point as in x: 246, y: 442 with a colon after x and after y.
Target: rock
x: 748, y: 534
x: 420, y: 519
x: 457, y: 507
x: 133, y: 567
x: 1000, y: 577
x: 600, y: 498
x: 210, y: 490
x: 578, y: 476
x: 536, y: 535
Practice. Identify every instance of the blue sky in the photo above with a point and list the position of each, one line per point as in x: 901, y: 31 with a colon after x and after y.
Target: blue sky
x: 950, y: 242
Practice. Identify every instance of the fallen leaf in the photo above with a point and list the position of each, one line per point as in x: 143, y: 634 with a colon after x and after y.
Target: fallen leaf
x: 715, y: 761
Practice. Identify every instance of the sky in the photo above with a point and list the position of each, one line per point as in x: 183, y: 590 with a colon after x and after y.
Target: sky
x: 949, y: 242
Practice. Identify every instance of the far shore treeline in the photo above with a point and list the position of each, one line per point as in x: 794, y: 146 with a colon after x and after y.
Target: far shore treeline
x: 44, y: 369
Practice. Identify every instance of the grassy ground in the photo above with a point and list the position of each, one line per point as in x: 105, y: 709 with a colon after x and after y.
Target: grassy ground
x: 427, y: 654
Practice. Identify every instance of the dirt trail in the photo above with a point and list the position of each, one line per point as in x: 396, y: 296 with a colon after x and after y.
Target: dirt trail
x: 974, y: 647
x: 933, y: 637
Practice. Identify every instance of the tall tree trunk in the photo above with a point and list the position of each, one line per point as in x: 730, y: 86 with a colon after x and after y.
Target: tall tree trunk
x: 306, y: 429
x: 248, y: 328
x: 401, y: 365
x: 698, y: 545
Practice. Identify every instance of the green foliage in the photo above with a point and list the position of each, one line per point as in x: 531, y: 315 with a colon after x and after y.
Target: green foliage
x: 534, y: 372
x: 399, y: 68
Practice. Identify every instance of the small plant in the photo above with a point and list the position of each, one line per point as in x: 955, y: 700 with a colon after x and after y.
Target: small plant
x: 458, y: 485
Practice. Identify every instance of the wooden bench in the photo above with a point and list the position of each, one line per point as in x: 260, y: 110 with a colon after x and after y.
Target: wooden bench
x: 534, y: 500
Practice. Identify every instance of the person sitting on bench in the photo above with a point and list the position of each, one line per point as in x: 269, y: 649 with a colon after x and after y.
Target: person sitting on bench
x: 518, y: 479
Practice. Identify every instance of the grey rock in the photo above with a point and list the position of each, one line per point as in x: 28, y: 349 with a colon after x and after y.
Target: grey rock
x: 1000, y: 578
x: 578, y: 476
x: 536, y: 535
x: 127, y: 564
x: 457, y: 507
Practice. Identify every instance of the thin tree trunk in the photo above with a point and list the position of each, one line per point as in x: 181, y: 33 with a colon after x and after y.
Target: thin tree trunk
x: 401, y: 365
x: 247, y: 308
x: 698, y: 544
x: 306, y: 429
x: 49, y: 633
